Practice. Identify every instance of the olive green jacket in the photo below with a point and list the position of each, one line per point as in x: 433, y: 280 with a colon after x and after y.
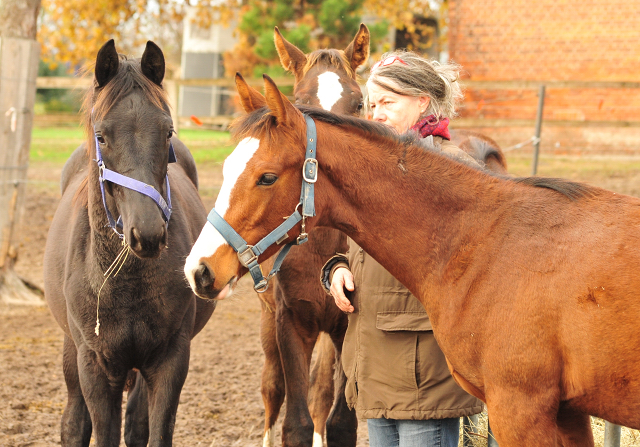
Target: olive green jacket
x: 394, y: 367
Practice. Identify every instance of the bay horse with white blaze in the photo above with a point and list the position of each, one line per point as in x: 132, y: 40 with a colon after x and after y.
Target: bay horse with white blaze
x: 112, y: 265
x: 531, y: 284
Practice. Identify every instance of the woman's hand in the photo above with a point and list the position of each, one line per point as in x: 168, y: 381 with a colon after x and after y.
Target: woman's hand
x: 342, y: 278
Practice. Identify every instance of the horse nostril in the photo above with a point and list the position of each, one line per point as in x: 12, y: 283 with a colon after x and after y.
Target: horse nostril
x: 135, y: 242
x: 203, y: 276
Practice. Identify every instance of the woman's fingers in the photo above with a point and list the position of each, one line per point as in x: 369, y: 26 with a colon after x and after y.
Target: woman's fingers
x: 342, y: 278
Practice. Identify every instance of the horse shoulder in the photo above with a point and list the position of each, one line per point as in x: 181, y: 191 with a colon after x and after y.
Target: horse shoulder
x: 76, y: 165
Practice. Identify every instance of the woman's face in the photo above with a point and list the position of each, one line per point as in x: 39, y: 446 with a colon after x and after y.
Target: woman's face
x: 398, y: 111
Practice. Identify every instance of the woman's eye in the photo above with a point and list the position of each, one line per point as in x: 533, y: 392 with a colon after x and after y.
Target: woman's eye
x: 267, y: 179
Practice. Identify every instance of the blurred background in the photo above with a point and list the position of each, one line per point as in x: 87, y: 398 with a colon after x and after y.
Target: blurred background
x: 559, y: 76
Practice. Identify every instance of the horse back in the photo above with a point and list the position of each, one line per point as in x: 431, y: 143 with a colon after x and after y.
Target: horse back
x: 480, y: 147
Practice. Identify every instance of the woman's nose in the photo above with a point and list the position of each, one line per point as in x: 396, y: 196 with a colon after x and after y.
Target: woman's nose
x: 378, y: 115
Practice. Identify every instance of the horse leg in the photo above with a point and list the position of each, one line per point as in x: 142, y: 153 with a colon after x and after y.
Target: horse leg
x: 295, y: 353
x: 76, y: 422
x: 136, y: 420
x: 272, y: 386
x: 522, y: 419
x: 342, y: 425
x: 574, y: 429
x: 321, y: 386
x: 164, y: 381
x: 103, y: 396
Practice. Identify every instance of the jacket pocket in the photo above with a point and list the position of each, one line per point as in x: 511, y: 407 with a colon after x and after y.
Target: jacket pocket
x: 391, y: 321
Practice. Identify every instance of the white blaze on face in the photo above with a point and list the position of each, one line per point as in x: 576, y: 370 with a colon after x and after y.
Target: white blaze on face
x: 329, y: 89
x: 210, y: 239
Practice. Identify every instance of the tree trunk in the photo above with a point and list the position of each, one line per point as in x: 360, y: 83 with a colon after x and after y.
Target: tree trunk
x: 19, y: 56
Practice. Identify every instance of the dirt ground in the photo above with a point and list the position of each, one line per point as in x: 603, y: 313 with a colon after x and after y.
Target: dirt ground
x: 221, y: 403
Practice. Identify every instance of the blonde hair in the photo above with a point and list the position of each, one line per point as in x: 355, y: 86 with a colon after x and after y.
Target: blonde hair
x: 421, y: 77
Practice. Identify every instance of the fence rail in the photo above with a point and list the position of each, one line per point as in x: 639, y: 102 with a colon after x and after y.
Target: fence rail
x: 172, y: 86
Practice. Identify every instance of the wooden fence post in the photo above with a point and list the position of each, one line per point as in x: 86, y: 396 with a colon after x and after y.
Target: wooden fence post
x: 612, y: 434
x: 18, y: 72
x: 536, y: 141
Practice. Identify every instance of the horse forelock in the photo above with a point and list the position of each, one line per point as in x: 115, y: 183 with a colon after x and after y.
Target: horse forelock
x: 98, y: 101
x: 330, y: 58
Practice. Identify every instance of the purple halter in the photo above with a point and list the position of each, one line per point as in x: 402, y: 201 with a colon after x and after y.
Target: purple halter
x: 107, y: 175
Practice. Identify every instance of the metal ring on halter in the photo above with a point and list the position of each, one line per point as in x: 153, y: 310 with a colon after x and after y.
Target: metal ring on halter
x: 262, y: 286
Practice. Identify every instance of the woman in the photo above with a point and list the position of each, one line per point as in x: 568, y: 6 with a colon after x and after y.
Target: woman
x: 397, y: 377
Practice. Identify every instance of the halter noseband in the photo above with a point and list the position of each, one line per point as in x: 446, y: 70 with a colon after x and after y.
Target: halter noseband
x: 248, y: 254
x: 107, y: 175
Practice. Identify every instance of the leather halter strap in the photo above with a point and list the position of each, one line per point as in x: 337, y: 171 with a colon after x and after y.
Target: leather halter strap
x: 248, y: 254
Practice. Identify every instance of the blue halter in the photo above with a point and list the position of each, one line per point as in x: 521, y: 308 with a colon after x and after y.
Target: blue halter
x: 107, y: 175
x: 248, y: 254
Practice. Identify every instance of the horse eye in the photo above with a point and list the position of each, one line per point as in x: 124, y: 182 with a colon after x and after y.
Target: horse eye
x: 267, y: 179
x: 100, y: 139
x: 170, y: 134
x: 360, y: 106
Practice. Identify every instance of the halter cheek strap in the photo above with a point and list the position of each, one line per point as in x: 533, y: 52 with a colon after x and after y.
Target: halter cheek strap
x: 107, y: 175
x: 248, y: 254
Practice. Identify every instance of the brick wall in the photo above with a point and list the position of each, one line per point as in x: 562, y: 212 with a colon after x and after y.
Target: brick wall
x: 560, y: 40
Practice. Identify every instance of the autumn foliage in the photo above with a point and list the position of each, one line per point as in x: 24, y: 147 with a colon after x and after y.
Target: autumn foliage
x: 72, y: 31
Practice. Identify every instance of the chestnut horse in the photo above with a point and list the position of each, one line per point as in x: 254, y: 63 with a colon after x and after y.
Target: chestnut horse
x: 143, y: 315
x: 295, y: 308
x: 531, y: 284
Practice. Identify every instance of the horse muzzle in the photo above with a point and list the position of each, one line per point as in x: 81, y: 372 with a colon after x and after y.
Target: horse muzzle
x: 203, y: 282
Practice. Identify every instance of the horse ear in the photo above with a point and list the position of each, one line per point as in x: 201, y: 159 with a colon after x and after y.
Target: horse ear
x: 106, y: 63
x: 250, y: 98
x: 152, y: 63
x: 279, y: 105
x: 358, y: 50
x: 291, y: 58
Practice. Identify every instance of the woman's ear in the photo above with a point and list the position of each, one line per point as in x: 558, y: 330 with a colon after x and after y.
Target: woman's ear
x: 423, y: 102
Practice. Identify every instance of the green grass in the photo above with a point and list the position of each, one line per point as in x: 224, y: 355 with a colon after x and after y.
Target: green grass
x: 55, y: 145
x: 585, y: 168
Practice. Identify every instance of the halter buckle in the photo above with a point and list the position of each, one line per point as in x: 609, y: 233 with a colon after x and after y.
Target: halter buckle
x: 247, y: 256
x: 310, y: 170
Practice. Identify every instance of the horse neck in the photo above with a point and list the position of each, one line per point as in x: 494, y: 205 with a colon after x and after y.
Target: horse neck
x: 411, y: 209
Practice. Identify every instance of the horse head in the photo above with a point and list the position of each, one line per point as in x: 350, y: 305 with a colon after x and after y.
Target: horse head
x: 327, y: 78
x: 130, y: 129
x: 261, y: 186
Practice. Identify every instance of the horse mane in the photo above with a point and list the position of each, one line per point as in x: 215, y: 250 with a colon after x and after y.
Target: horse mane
x: 98, y: 101
x: 260, y: 122
x: 331, y: 57
x: 572, y: 190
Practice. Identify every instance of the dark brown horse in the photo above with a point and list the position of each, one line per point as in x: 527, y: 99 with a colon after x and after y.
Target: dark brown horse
x: 142, y: 315
x: 531, y: 284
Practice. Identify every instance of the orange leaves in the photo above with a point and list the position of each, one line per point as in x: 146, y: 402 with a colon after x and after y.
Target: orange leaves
x: 72, y: 31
